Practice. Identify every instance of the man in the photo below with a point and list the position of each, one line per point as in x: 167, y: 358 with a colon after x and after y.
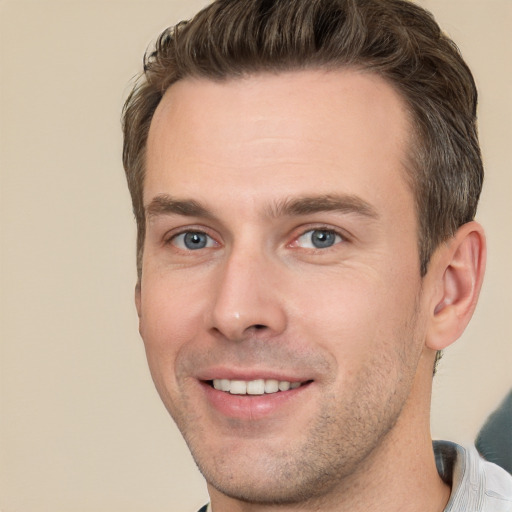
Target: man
x: 305, y: 176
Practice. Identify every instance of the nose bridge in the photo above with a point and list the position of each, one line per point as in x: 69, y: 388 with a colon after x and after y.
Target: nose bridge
x: 247, y: 298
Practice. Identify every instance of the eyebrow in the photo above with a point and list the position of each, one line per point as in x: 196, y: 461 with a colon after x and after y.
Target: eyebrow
x: 342, y: 203
x: 164, y: 204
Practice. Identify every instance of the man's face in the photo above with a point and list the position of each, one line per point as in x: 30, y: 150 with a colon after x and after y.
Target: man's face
x: 281, y: 251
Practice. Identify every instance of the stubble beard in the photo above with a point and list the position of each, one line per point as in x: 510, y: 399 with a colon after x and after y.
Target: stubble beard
x: 335, y: 451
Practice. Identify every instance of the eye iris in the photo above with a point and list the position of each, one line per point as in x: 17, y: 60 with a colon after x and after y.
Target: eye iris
x: 195, y: 240
x: 321, y: 239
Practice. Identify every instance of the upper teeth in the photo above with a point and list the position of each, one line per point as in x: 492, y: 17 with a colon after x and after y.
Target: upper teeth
x: 253, y: 387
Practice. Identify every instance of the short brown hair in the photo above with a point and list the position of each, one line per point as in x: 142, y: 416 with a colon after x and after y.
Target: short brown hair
x: 396, y: 39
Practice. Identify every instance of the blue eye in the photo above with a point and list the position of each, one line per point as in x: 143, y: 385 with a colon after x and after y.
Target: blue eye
x: 193, y: 240
x: 319, y: 239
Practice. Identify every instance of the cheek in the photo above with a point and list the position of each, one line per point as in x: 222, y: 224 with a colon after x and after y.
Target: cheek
x: 169, y: 320
x: 358, y: 314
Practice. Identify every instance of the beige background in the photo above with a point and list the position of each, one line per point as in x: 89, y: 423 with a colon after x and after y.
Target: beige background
x: 82, y: 428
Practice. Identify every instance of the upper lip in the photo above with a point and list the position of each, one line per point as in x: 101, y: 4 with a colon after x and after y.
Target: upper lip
x: 250, y: 374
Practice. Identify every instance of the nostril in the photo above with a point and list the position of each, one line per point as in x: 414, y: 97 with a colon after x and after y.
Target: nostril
x: 258, y: 327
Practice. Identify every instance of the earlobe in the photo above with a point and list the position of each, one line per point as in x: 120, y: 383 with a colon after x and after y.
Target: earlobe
x: 460, y: 270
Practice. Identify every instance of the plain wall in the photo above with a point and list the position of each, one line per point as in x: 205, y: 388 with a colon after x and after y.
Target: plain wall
x: 82, y: 428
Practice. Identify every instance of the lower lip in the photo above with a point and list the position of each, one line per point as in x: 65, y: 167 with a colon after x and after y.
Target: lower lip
x: 251, y: 407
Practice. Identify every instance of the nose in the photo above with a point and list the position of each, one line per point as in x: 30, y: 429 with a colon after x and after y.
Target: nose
x: 247, y: 301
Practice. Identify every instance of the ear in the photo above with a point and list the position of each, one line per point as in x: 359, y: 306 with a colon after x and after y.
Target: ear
x: 138, y: 298
x: 458, y: 272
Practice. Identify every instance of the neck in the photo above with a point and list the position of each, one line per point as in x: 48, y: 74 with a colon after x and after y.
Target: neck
x: 399, y: 475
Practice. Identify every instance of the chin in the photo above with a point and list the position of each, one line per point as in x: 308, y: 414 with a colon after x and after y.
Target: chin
x: 267, y: 483
x: 273, y: 471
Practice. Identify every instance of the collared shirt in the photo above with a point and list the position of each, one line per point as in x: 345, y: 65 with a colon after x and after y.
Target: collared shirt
x: 477, y: 485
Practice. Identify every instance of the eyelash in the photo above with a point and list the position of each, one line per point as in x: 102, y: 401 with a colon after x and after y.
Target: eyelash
x: 185, y: 231
x: 339, y: 238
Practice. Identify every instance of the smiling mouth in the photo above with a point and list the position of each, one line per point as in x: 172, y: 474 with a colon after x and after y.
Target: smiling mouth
x: 255, y: 387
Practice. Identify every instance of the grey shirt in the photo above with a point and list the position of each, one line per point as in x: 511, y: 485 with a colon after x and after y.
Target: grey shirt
x: 477, y: 485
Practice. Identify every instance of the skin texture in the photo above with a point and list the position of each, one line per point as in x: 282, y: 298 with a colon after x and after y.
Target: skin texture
x: 256, y: 165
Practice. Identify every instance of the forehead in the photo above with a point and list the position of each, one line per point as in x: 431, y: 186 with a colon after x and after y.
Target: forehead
x: 265, y: 134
